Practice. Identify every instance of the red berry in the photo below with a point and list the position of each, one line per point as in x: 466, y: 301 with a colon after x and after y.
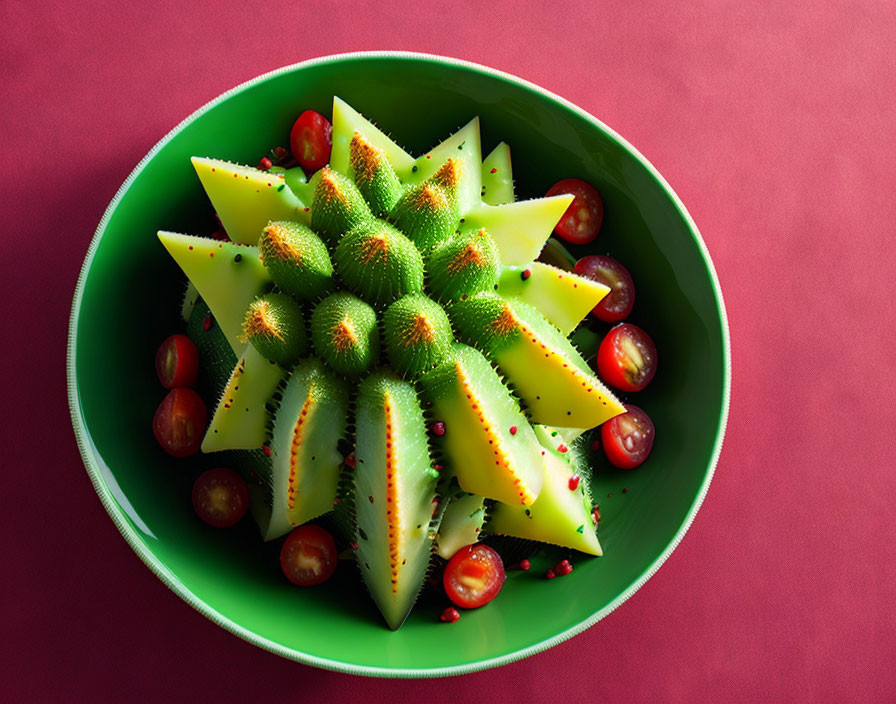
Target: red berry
x: 526, y: 274
x: 513, y: 430
x: 525, y: 565
x: 549, y: 574
x: 350, y: 461
x: 562, y: 448
x: 450, y: 615
x: 562, y: 568
x: 438, y: 428
x: 574, y: 482
x: 265, y: 164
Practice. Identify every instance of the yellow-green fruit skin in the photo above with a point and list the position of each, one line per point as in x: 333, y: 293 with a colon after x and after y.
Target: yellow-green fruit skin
x: 276, y: 327
x: 417, y: 333
x: 338, y: 205
x: 297, y: 260
x: 464, y: 265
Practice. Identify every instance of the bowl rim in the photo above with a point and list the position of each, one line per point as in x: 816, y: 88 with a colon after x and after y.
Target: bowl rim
x: 88, y: 449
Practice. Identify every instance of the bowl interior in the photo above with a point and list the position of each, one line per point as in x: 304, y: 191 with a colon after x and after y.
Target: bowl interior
x: 128, y: 303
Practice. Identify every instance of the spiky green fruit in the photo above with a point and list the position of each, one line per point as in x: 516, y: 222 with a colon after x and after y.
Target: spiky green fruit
x: 487, y: 439
x: 497, y: 177
x: 560, y: 296
x: 394, y: 491
x: 379, y: 263
x: 338, y: 205
x: 418, y: 334
x: 562, y: 513
x: 296, y: 259
x: 275, y: 326
x: 344, y: 334
x: 374, y: 175
x: 241, y: 417
x: 310, y: 418
x: 461, y: 524
x: 464, y: 265
x: 545, y: 369
x: 428, y: 213
x: 228, y: 277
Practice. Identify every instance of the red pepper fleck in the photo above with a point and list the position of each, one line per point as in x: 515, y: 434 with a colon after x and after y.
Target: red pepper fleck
x: 526, y: 274
x: 336, y: 501
x: 450, y: 615
x: 595, y: 444
x: 625, y: 491
x: 525, y: 565
x: 438, y: 467
x: 370, y: 499
x: 267, y: 450
x: 494, y: 171
x: 438, y: 428
x: 207, y: 323
x: 350, y: 460
x: 280, y: 153
x: 562, y: 448
x: 574, y: 482
x: 265, y: 163
x: 549, y: 574
x: 513, y: 430
x: 354, y: 546
x: 595, y: 515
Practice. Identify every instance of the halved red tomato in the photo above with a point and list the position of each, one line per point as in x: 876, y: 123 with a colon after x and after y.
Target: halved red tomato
x: 179, y: 422
x: 311, y: 140
x: 308, y: 556
x: 220, y: 497
x: 626, y: 358
x: 627, y: 439
x: 618, y: 303
x: 177, y: 362
x: 582, y: 219
x: 474, y: 576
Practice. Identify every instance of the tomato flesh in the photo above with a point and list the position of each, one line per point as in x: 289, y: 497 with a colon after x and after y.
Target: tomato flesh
x: 474, y: 576
x: 618, y: 303
x: 627, y: 439
x: 179, y: 422
x: 177, y: 362
x: 308, y: 556
x: 582, y: 219
x: 311, y: 140
x: 627, y: 358
x: 220, y: 497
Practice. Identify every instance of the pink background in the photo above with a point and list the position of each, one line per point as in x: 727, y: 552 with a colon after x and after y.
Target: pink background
x: 776, y: 128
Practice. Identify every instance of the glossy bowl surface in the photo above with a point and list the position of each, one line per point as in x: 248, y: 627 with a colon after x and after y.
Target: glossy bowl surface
x: 127, y: 300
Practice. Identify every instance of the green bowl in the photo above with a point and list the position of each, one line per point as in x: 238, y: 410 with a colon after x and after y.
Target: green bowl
x: 127, y: 300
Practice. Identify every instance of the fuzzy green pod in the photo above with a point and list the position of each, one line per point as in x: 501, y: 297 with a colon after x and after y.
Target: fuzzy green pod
x: 379, y: 263
x: 395, y: 484
x: 428, y: 214
x: 337, y: 206
x: 546, y: 371
x: 463, y: 266
x: 276, y: 328
x: 374, y: 175
x: 418, y: 334
x: 345, y: 335
x: 296, y: 259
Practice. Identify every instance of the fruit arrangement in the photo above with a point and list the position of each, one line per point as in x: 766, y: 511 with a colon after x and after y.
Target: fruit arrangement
x: 386, y: 351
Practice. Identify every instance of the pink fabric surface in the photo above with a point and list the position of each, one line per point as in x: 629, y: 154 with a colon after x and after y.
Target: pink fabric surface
x: 776, y: 128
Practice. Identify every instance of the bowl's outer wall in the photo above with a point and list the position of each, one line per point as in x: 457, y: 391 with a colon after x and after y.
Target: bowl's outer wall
x: 130, y: 300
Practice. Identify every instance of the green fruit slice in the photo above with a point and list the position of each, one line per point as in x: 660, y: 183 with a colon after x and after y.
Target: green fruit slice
x: 560, y: 296
x: 310, y: 418
x: 560, y: 516
x: 394, y: 492
x: 246, y: 199
x: 545, y: 369
x: 347, y: 121
x: 241, y: 418
x: 497, y: 177
x: 463, y: 146
x: 487, y: 439
x: 519, y: 229
x: 227, y: 276
x: 461, y: 524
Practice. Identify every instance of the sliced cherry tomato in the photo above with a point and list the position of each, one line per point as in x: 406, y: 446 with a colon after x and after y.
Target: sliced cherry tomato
x: 617, y: 304
x: 474, y: 576
x: 627, y: 358
x: 308, y: 556
x: 582, y: 219
x: 627, y: 438
x: 311, y: 140
x: 177, y: 362
x: 220, y: 497
x: 179, y: 422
